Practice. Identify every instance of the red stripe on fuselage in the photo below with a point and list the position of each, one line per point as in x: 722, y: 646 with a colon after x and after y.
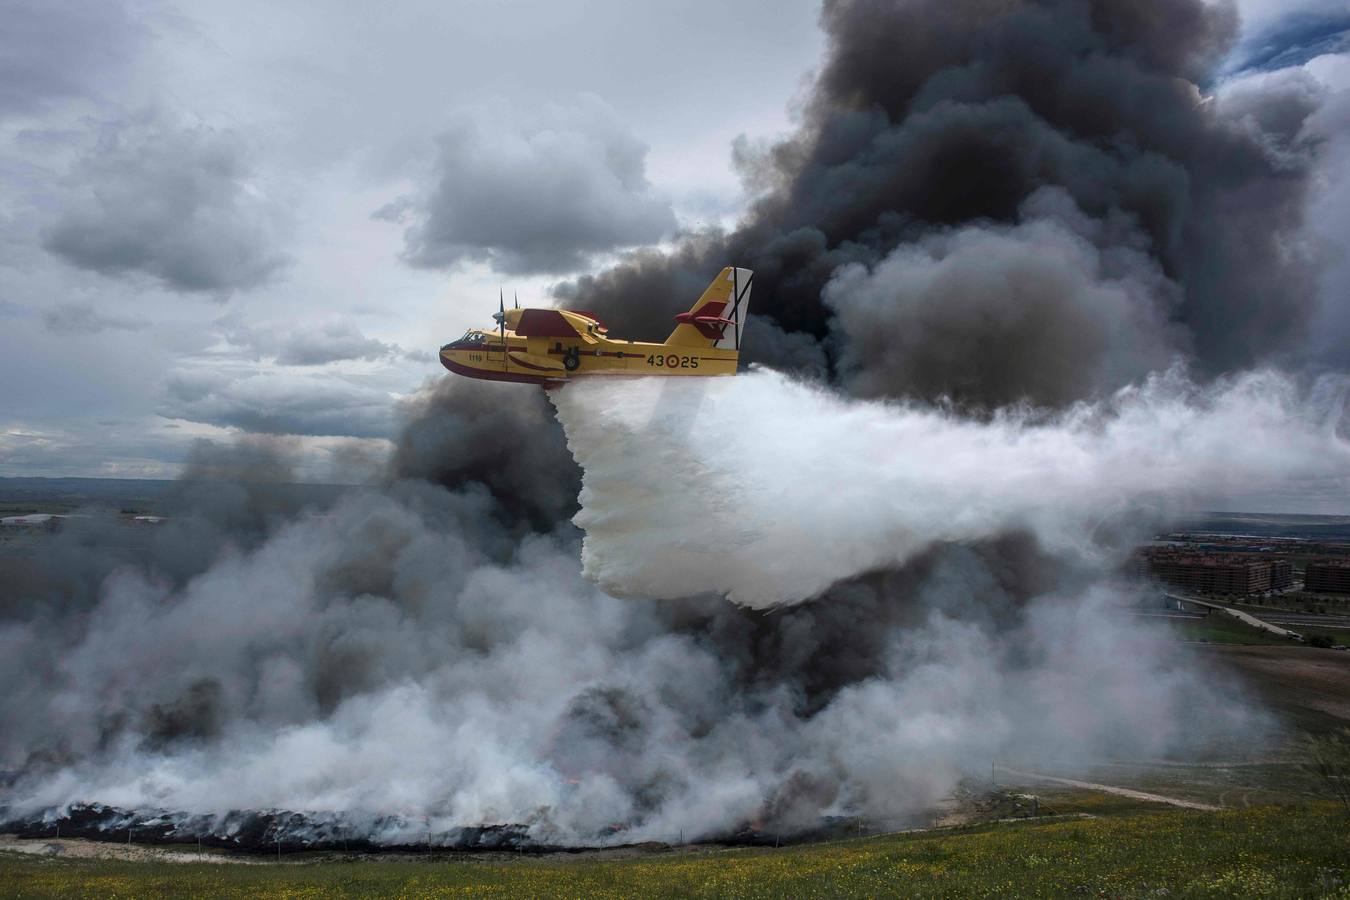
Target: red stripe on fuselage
x: 491, y: 375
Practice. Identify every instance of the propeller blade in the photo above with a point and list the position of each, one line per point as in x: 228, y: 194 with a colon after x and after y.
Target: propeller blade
x: 501, y: 321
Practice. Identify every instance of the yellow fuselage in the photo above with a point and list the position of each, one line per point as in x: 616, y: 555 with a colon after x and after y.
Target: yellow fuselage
x: 581, y: 351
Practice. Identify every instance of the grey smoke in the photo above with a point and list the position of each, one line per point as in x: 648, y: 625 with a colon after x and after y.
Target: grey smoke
x: 539, y: 196
x: 459, y: 433
x: 409, y: 660
x: 1050, y: 309
x: 177, y: 204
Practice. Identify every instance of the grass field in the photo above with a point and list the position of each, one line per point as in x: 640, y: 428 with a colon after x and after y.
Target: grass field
x: 1338, y: 637
x: 1221, y: 628
x: 1121, y: 851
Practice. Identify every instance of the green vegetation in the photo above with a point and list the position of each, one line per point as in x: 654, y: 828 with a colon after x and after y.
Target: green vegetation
x: 1230, y: 785
x: 1298, y: 601
x: 1221, y: 628
x: 1323, y: 637
x: 1261, y: 852
x: 1329, y: 760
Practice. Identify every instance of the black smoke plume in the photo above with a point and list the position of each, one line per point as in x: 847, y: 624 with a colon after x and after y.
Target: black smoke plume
x: 993, y: 202
x: 459, y: 433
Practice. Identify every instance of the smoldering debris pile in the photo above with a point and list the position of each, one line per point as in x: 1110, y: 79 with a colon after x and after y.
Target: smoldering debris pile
x: 987, y: 204
x: 266, y: 831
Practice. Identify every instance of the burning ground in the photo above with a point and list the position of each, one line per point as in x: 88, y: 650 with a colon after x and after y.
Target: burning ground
x: 996, y: 221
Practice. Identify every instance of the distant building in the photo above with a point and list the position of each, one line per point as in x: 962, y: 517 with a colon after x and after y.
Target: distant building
x: 1216, y: 573
x: 1327, y: 577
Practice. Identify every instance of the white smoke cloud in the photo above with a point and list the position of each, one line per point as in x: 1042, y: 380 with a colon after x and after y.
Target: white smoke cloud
x: 375, y: 668
x: 770, y: 490
x: 407, y: 666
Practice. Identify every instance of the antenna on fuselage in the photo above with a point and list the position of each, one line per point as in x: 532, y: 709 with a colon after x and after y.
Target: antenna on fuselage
x: 501, y: 321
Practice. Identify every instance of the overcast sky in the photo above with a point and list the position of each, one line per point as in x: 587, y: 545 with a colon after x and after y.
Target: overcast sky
x: 247, y: 216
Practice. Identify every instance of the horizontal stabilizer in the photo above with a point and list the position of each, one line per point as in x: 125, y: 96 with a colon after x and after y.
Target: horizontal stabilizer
x: 718, y: 318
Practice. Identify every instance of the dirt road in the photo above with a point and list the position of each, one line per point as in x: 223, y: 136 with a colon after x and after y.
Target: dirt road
x: 1109, y: 789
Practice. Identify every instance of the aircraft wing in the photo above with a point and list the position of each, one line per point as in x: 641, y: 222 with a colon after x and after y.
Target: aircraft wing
x: 547, y: 323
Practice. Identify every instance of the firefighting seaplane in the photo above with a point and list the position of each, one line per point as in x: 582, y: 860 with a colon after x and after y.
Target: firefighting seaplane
x: 552, y: 346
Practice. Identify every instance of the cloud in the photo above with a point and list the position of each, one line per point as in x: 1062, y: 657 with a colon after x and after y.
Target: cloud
x: 332, y: 343
x: 307, y: 346
x: 178, y: 204
x: 55, y: 50
x: 537, y: 196
x: 279, y: 403
x: 74, y: 319
x: 1292, y: 36
x: 91, y: 447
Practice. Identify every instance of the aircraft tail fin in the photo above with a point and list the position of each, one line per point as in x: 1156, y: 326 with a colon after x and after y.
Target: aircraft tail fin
x: 718, y: 318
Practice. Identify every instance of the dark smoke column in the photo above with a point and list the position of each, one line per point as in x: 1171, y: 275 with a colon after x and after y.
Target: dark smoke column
x: 995, y: 201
